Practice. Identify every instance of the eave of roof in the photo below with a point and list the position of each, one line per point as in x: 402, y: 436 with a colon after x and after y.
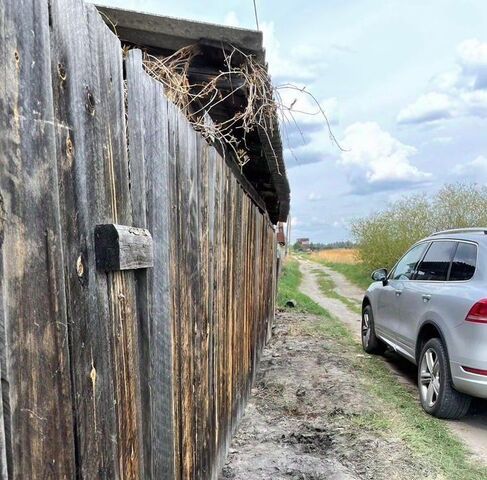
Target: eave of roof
x: 170, y: 34
x: 174, y: 33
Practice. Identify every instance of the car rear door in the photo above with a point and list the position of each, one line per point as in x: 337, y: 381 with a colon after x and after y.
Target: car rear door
x: 422, y: 296
x: 386, y: 315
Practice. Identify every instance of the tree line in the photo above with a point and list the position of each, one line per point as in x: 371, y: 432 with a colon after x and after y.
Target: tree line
x: 383, y: 237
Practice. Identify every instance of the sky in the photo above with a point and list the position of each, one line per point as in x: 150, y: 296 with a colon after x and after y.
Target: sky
x: 403, y: 86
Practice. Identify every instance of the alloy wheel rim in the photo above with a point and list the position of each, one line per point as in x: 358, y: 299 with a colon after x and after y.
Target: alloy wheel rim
x: 366, y: 328
x: 430, y: 381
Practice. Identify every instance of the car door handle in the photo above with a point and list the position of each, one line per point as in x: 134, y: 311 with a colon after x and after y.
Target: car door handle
x: 426, y: 297
x: 398, y: 292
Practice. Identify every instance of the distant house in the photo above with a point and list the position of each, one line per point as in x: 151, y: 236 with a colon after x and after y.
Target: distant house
x: 303, y: 243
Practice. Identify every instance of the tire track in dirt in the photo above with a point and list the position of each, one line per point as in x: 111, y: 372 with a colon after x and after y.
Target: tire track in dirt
x: 472, y: 429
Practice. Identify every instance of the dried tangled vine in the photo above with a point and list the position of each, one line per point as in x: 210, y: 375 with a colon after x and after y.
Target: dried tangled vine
x: 199, y: 99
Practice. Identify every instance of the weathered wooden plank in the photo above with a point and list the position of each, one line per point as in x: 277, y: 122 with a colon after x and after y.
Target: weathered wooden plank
x: 151, y: 197
x: 5, y: 69
x: 36, y: 387
x: 111, y: 129
x: 89, y: 103
x: 3, y: 442
x: 122, y: 247
x: 176, y: 274
x: 84, y: 204
x: 187, y: 304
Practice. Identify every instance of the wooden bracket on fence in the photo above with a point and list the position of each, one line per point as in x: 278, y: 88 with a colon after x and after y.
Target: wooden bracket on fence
x: 120, y: 247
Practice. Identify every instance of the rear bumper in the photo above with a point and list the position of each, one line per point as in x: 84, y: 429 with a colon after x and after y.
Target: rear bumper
x: 467, y: 347
x: 470, y: 383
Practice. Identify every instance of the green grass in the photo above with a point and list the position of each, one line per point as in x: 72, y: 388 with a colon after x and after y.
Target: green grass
x: 398, y: 410
x: 356, y: 273
x: 289, y: 290
x: 327, y: 286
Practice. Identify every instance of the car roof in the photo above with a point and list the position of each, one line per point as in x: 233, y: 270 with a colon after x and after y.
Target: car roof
x: 473, y: 235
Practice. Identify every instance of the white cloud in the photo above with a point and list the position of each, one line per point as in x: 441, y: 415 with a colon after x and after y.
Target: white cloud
x: 304, y: 127
x: 428, y: 107
x: 295, y: 221
x: 442, y: 140
x: 305, y: 109
x: 376, y: 160
x: 301, y: 64
x: 474, y: 168
x: 473, y: 53
x: 231, y: 19
x: 315, y: 197
x: 462, y: 91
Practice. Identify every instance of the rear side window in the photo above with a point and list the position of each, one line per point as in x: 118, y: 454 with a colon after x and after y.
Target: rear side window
x: 407, y: 265
x: 463, y: 265
x: 436, y: 262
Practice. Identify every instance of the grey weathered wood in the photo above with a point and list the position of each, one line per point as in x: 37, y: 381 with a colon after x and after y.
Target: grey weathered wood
x: 140, y: 374
x: 121, y: 247
x: 174, y: 33
x: 36, y: 386
x: 4, y: 410
x: 93, y: 165
x: 84, y: 203
x: 149, y: 160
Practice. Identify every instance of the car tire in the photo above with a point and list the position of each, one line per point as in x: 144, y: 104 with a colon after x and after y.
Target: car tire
x: 437, y: 395
x: 370, y: 342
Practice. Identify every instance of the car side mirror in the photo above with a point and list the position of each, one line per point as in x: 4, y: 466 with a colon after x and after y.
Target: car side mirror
x: 380, y: 275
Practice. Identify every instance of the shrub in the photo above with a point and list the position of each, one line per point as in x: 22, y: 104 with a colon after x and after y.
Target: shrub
x: 383, y: 237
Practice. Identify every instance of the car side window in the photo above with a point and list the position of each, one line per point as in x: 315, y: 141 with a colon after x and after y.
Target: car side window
x: 406, y: 267
x: 464, y: 262
x: 436, y: 262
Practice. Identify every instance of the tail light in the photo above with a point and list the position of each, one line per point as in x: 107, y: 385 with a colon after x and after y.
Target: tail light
x: 477, y: 371
x: 478, y: 313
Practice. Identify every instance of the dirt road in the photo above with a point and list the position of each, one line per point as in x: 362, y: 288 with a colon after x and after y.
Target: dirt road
x: 472, y: 429
x: 310, y: 418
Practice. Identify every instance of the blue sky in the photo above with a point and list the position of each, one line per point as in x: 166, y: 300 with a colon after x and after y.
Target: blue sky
x: 404, y: 85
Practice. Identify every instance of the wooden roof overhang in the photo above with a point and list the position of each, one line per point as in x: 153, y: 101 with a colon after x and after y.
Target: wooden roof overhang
x: 264, y: 175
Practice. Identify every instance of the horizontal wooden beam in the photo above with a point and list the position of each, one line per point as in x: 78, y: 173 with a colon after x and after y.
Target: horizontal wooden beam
x: 120, y: 247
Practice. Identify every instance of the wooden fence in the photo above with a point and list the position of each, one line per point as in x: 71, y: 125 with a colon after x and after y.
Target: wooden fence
x: 121, y: 374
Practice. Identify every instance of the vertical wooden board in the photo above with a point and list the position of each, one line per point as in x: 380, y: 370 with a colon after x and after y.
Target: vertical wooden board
x: 219, y: 303
x: 193, y: 277
x: 175, y: 282
x: 3, y: 434
x: 151, y: 197
x: 92, y: 158
x: 121, y: 285
x: 141, y: 113
x: 231, y: 220
x: 36, y: 387
x: 204, y: 274
x: 216, y: 305
x: 84, y: 204
x: 6, y: 69
x: 211, y: 332
x: 185, y: 305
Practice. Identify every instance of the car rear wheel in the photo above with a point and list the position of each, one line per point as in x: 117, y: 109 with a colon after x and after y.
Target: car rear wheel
x: 370, y: 342
x: 436, y: 392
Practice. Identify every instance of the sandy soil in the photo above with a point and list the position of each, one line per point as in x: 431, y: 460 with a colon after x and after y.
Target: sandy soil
x: 307, y: 417
x: 472, y: 429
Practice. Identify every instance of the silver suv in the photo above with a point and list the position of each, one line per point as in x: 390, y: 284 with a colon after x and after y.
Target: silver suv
x: 432, y: 309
